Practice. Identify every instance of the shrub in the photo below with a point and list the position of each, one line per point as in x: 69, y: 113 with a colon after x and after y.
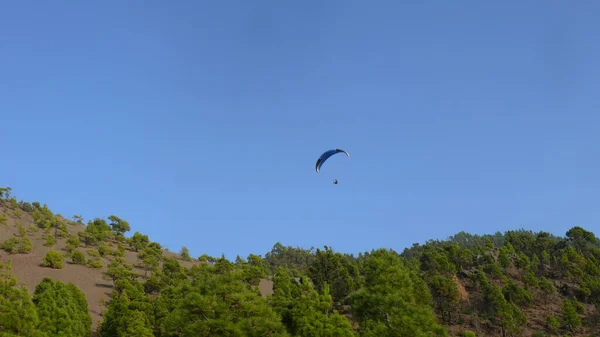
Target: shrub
x: 25, y: 206
x: 553, y: 324
x: 468, y: 333
x: 77, y: 257
x: 73, y: 243
x: 22, y: 231
x: 10, y: 245
x: 185, y: 254
x: 50, y: 241
x: 93, y: 253
x: 95, y: 263
x: 104, y: 249
x: 53, y: 259
x: 119, y: 251
x: 17, y: 245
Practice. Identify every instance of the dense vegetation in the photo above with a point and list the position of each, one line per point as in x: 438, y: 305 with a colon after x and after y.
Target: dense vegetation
x: 517, y: 283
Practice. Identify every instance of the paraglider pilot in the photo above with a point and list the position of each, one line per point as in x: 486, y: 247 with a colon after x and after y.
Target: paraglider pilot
x: 335, y: 181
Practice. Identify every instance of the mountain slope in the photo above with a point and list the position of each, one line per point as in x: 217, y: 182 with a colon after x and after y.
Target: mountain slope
x: 517, y: 283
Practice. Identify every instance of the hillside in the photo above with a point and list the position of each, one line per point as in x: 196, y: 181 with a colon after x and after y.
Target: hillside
x: 517, y: 283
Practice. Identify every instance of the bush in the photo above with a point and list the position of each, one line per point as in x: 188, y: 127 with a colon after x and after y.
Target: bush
x: 95, y: 263
x: 77, y: 257
x: 553, y: 324
x: 17, y: 245
x: 50, y: 241
x: 73, y: 243
x: 119, y: 251
x: 104, y: 249
x: 10, y: 245
x: 185, y: 254
x: 468, y: 333
x: 22, y: 231
x: 26, y: 207
x: 53, y: 259
x: 93, y: 253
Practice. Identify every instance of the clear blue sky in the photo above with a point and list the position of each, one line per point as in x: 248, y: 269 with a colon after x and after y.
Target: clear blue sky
x: 200, y: 122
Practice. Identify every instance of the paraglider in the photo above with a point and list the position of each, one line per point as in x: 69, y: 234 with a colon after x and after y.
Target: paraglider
x: 326, y: 156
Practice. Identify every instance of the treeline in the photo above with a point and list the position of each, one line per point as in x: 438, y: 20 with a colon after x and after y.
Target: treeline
x: 506, y: 284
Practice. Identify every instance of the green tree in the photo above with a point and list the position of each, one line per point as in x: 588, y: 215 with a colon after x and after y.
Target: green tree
x: 43, y: 217
x: 254, y: 269
x: 581, y: 238
x: 570, y: 318
x: 313, y: 316
x: 136, y: 325
x: 387, y: 305
x: 535, y: 263
x: 128, y: 297
x: 507, y: 316
x: 553, y: 324
x: 446, y: 296
x: 333, y: 269
x: 504, y: 258
x: 207, y: 258
x: 139, y: 241
x: 522, y: 261
x: 119, y: 269
x: 520, y: 296
x: 62, y: 309
x: 118, y: 225
x: 297, y: 260
x: 434, y: 261
x: 185, y: 254
x: 18, y: 314
x: 216, y: 304
x: 150, y: 257
x: 305, y: 311
x: 5, y: 193
x: 96, y: 231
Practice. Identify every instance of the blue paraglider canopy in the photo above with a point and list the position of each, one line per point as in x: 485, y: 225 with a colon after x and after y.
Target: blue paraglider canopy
x: 326, y: 155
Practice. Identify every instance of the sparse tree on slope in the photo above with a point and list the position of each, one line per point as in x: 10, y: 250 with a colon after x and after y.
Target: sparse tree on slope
x: 139, y: 241
x: 118, y: 225
x: 185, y: 254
